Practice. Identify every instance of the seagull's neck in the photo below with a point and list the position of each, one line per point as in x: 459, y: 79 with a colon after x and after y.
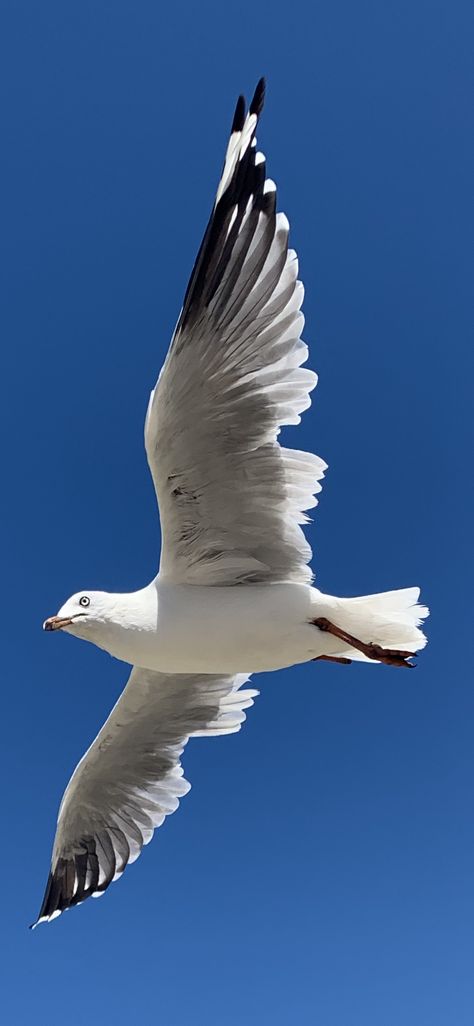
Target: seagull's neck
x: 134, y: 610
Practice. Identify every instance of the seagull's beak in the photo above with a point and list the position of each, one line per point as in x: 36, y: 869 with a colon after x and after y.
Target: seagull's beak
x: 54, y: 623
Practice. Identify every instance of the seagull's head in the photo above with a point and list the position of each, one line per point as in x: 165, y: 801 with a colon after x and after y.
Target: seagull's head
x: 81, y: 612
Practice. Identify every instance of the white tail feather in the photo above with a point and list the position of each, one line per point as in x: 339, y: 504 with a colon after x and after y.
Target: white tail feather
x: 391, y: 619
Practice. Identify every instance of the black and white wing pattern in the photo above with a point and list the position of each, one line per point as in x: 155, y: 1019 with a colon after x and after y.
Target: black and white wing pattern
x: 231, y: 498
x: 131, y: 777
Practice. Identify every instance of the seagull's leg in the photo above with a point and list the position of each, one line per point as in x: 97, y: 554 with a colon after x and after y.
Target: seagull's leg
x: 333, y: 659
x: 390, y: 656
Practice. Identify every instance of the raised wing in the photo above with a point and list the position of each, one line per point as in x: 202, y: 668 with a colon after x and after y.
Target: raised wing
x: 131, y: 778
x: 231, y: 498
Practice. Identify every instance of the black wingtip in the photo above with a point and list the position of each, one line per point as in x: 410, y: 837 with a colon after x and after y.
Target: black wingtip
x: 256, y: 105
x: 245, y: 183
x: 239, y: 115
x: 66, y: 884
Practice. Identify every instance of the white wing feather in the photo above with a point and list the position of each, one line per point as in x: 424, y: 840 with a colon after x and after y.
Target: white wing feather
x: 131, y: 777
x: 231, y: 498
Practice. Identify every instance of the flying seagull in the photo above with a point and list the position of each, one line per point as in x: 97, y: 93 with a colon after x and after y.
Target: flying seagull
x: 234, y: 591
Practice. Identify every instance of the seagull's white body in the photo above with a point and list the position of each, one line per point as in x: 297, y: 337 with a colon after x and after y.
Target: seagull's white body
x: 234, y: 593
x: 191, y: 629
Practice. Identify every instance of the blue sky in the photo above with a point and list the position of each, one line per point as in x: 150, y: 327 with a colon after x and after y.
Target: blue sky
x: 320, y: 871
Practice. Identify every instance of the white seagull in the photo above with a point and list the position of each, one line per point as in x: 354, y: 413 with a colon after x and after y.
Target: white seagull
x: 234, y: 593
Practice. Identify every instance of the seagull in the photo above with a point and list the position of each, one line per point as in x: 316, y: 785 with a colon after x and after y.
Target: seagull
x: 234, y: 591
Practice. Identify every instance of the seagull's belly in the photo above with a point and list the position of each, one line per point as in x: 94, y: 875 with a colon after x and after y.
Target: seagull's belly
x: 228, y: 630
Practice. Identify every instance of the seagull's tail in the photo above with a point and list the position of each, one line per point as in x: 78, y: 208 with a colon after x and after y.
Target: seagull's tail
x: 391, y: 619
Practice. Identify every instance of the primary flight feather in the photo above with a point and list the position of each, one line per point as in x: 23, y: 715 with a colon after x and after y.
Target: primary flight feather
x: 233, y: 594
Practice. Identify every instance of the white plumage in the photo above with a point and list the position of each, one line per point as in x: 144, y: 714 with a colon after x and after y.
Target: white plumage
x: 234, y: 592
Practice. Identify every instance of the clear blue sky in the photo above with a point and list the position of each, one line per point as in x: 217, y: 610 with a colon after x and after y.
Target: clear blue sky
x: 320, y: 871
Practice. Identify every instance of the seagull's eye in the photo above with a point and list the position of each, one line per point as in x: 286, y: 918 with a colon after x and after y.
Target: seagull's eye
x: 84, y: 600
